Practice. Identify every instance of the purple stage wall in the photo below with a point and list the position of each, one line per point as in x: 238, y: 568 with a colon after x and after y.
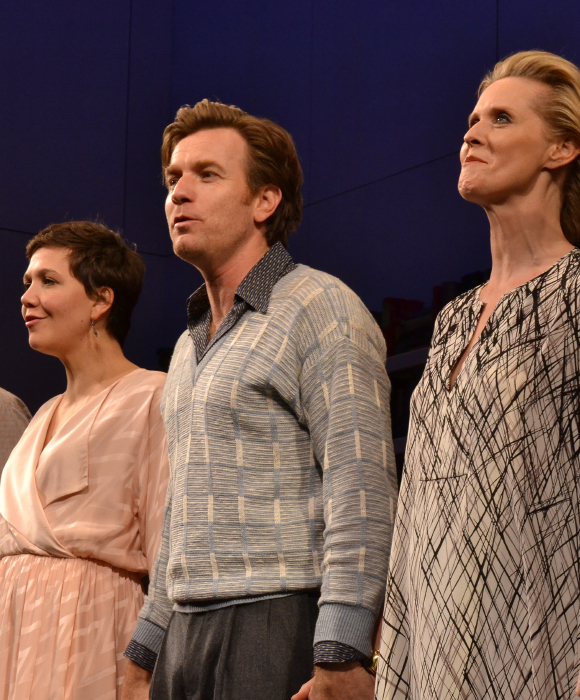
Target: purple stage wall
x: 376, y: 95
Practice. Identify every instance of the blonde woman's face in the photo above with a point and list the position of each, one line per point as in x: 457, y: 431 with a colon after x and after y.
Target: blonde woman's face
x: 507, y: 146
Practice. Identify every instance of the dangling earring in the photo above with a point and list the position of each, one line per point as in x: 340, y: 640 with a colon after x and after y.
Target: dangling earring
x: 93, y: 327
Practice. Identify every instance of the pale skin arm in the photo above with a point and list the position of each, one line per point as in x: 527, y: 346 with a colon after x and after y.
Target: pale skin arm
x: 578, y: 687
x: 136, y: 683
x: 336, y: 680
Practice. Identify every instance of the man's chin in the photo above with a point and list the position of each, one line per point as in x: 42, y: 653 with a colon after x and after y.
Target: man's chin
x: 186, y: 249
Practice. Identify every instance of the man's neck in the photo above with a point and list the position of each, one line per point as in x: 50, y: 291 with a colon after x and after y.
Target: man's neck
x: 223, y: 281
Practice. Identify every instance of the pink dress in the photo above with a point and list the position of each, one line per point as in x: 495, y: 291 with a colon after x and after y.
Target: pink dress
x: 80, y: 522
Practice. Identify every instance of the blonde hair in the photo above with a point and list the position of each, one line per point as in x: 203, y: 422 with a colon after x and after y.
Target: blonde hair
x: 561, y: 112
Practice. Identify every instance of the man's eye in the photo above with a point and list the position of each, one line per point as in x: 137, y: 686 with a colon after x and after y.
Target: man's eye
x: 502, y: 119
x: 26, y: 285
x: 207, y: 174
x: 49, y: 281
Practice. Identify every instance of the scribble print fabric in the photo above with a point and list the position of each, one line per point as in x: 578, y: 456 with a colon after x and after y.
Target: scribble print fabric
x: 482, y: 598
x: 80, y: 522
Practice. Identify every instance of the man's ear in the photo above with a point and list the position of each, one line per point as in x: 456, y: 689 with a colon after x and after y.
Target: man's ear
x: 103, y: 302
x: 562, y: 153
x: 266, y: 201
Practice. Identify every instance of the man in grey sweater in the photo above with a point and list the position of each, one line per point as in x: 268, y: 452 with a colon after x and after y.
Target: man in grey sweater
x: 282, y: 493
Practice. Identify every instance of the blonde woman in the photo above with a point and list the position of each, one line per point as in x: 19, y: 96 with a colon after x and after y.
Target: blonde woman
x: 483, y: 592
x: 82, y: 494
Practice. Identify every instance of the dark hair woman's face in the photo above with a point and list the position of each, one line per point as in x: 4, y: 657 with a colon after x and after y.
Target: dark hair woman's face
x: 55, y: 306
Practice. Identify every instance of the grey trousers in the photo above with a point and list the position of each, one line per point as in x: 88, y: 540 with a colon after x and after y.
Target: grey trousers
x: 254, y: 651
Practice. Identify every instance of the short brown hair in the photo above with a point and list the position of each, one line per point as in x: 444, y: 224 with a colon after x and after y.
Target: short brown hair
x: 272, y: 157
x: 560, y: 111
x: 98, y: 258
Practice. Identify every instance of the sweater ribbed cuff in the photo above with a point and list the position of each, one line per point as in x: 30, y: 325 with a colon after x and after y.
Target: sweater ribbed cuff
x: 347, y: 624
x: 141, y: 656
x: 336, y: 653
x: 149, y: 635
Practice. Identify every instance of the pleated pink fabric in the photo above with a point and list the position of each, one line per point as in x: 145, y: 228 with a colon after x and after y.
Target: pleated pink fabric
x: 65, y: 625
x: 80, y: 522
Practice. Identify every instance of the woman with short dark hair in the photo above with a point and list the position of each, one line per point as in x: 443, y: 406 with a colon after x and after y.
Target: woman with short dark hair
x: 82, y: 494
x: 483, y: 597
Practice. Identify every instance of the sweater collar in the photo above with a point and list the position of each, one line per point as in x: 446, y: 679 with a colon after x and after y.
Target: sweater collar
x: 256, y: 287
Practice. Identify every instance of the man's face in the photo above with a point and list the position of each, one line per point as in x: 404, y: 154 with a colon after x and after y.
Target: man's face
x: 209, y: 208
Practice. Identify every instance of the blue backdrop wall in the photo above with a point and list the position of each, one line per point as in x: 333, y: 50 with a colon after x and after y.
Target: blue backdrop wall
x: 376, y: 95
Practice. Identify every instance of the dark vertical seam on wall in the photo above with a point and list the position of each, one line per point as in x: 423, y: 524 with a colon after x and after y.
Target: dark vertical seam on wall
x: 496, y: 31
x: 127, y: 115
x: 311, y: 97
x: 167, y: 298
x: 171, y: 67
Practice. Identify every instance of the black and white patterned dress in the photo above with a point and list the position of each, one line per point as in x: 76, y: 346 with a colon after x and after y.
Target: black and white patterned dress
x: 483, y: 592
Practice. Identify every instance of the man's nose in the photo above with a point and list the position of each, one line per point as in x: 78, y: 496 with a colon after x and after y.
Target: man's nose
x: 183, y: 191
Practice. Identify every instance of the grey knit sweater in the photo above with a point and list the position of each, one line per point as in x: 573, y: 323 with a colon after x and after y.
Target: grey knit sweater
x: 282, y: 468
